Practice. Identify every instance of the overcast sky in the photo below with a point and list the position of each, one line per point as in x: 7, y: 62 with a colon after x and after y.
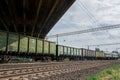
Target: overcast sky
x: 85, y: 14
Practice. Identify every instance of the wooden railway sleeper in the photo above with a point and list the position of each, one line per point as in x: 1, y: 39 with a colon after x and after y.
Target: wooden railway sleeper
x: 22, y: 71
x: 63, y: 70
x: 53, y: 73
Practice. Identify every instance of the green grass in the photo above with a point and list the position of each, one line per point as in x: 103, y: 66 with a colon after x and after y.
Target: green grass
x: 109, y: 71
x: 93, y: 77
x: 112, y: 73
x: 116, y: 77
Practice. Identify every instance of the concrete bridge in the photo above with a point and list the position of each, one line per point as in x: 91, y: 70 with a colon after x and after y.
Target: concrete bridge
x: 31, y: 17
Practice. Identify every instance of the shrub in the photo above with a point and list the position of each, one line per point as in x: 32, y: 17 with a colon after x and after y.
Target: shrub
x: 109, y: 71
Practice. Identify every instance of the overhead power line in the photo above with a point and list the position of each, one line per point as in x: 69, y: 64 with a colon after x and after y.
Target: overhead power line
x: 117, y: 49
x: 93, y: 18
x: 105, y: 44
x: 85, y: 31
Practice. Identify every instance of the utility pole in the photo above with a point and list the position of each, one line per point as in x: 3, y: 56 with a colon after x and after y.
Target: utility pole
x: 117, y: 49
x: 106, y: 49
x: 118, y: 52
x: 57, y: 39
x: 88, y: 47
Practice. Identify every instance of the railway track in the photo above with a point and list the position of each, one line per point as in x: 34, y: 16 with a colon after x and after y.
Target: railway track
x: 15, y: 65
x: 42, y: 71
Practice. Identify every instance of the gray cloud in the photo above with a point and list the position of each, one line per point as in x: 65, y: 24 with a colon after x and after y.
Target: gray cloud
x: 102, y: 13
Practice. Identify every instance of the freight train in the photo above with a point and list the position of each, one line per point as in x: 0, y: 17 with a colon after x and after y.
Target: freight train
x: 83, y: 54
x: 13, y: 44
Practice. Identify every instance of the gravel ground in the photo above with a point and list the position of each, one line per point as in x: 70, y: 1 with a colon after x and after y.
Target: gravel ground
x: 80, y: 74
x: 77, y: 70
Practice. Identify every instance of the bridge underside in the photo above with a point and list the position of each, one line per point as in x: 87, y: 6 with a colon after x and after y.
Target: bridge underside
x: 31, y: 17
